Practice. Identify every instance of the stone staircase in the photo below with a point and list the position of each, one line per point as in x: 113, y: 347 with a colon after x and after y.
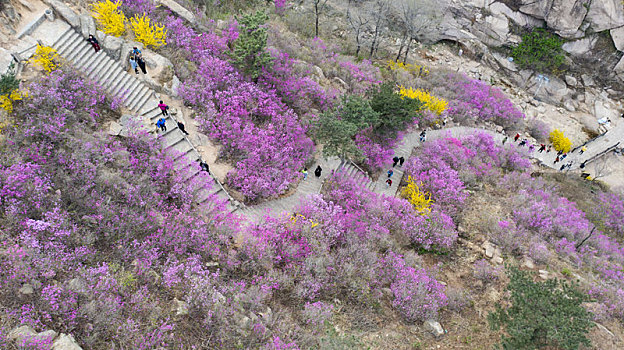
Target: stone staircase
x: 140, y: 99
x: 350, y: 170
x: 99, y: 67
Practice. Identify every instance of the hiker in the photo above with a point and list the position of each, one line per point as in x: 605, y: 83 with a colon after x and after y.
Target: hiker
x: 140, y: 62
x: 582, y: 166
x: 549, y: 149
x: 562, y: 167
x: 531, y: 148
x: 563, y: 156
x: 516, y: 137
x: 181, y: 127
x: 389, y: 182
x: 522, y: 143
x: 94, y: 42
x: 505, y: 140
x: 390, y: 172
x: 133, y: 64
x: 542, y: 148
x: 423, y: 136
x: 401, y: 161
x: 136, y: 51
x: 318, y: 171
x: 305, y: 173
x: 556, y: 160
x: 161, y: 123
x: 583, y: 149
x: 204, y: 166
x: 163, y: 108
x: 395, y: 160
x: 559, y: 153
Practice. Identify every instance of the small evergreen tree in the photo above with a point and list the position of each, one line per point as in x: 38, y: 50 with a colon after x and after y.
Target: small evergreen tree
x: 542, y: 314
x: 249, y: 53
x: 8, y: 81
x: 540, y: 51
x: 394, y: 110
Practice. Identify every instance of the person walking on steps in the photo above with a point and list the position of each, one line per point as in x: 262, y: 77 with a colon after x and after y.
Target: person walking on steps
x: 318, y: 171
x: 139, y: 59
x: 395, y: 160
x: 401, y: 161
x: 423, y: 136
x: 163, y: 108
x: 94, y: 42
x: 516, y: 137
x: 583, y: 149
x: 522, y: 143
x: 204, y: 166
x: 556, y: 160
x: 161, y: 123
x: 305, y: 173
x: 133, y: 64
x: 181, y: 127
x: 542, y: 148
x: 390, y: 172
x: 389, y: 182
x: 505, y: 140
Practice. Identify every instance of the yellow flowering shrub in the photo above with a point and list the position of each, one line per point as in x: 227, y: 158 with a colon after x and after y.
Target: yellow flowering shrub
x: 150, y: 34
x: 559, y: 141
x: 44, y: 57
x: 432, y: 103
x: 109, y: 17
x: 419, y: 199
x: 411, y: 68
x: 6, y: 100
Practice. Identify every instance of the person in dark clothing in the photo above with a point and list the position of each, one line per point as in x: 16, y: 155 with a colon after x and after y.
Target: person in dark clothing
x: 138, y: 56
x: 318, y: 171
x: 516, y: 137
x: 390, y: 172
x: 94, y: 42
x: 556, y: 160
x: 522, y: 143
x: 395, y: 160
x: 204, y: 166
x: 562, y: 167
x: 401, y: 161
x: 181, y: 127
x: 582, y: 166
x: 542, y: 148
x: 389, y: 182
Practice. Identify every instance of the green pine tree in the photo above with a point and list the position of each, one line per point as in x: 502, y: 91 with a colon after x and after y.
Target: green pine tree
x: 249, y: 53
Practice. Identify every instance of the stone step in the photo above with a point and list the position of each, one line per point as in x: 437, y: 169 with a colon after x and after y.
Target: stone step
x: 119, y: 86
x: 142, y: 100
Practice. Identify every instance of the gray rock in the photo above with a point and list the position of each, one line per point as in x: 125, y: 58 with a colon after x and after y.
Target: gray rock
x: 554, y: 91
x: 587, y: 80
x: 65, y: 342
x: 126, y: 48
x: 21, y: 332
x: 316, y: 70
x: 605, y: 14
x: 114, y: 129
x: 68, y: 14
x: 28, y: 5
x: 434, y: 327
x: 341, y: 84
x: 26, y: 289
x: 519, y: 18
x: 493, y: 31
x: 180, y: 307
x: 178, y: 10
x: 570, y: 80
x: 619, y: 68
x: 175, y: 84
x: 87, y: 25
x: 566, y: 16
x: 49, y: 334
x: 154, y: 60
x: 617, y: 35
x: 528, y: 263
x: 112, y: 45
x: 489, y: 249
x: 100, y: 35
x: 580, y: 47
x: 538, y: 9
x: 77, y: 285
x: 543, y: 274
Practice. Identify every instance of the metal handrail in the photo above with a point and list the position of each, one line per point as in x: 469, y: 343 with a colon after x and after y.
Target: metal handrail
x: 609, y: 149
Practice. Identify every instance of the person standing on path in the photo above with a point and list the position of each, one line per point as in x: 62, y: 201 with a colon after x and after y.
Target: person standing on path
x: 395, y: 160
x: 389, y: 182
x: 305, y: 173
x: 583, y: 149
x: 139, y: 59
x: 390, y: 172
x: 423, y: 136
x: 318, y: 171
x: 181, y: 127
x: 504, y: 140
x: 401, y: 161
x: 133, y: 64
x: 136, y: 51
x: 162, y: 124
x: 522, y: 143
x: 204, y: 166
x: 542, y: 148
x: 516, y: 137
x: 556, y: 160
x: 94, y: 42
x: 549, y: 149
x: 163, y: 108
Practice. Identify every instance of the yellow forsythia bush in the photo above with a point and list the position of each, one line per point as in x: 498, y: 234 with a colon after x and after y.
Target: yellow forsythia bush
x: 432, y: 103
x: 150, y: 34
x: 412, y: 68
x: 6, y: 100
x: 559, y: 141
x: 44, y: 57
x: 109, y: 17
x: 419, y: 199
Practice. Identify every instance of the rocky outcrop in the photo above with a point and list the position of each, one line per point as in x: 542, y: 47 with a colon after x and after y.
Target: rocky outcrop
x: 605, y: 14
x: 566, y: 16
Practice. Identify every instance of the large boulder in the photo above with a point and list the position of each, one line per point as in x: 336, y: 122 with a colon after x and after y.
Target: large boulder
x: 519, y: 18
x: 493, y: 30
x: 537, y: 9
x: 619, y: 68
x: 617, y: 35
x: 112, y: 45
x: 68, y: 14
x: 580, y: 47
x: 87, y: 25
x: 65, y: 342
x: 178, y: 10
x: 566, y: 16
x: 605, y: 14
